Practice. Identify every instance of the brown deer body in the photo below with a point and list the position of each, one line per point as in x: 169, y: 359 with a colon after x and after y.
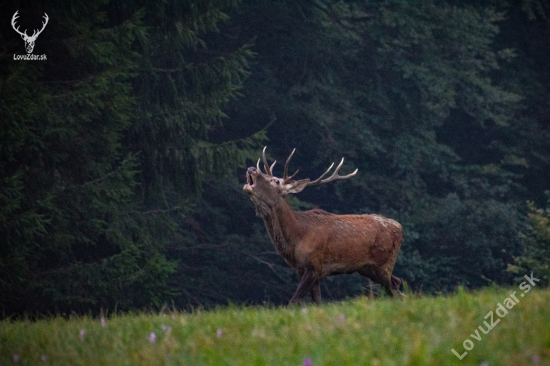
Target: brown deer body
x: 317, y: 243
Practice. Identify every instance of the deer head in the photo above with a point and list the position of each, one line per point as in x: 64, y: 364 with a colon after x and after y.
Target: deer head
x: 265, y: 189
x: 29, y: 40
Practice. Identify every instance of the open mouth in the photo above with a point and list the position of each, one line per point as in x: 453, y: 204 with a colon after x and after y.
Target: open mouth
x: 249, y: 180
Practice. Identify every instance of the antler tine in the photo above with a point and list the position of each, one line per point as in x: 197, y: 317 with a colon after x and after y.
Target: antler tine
x: 46, y: 18
x: 266, y: 166
x: 258, y: 165
x: 334, y: 175
x: 286, y: 178
x: 13, y: 19
x: 271, y: 167
x: 318, y: 180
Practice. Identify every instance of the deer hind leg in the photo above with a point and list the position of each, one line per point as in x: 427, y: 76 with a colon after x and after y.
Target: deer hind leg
x: 306, y: 284
x: 382, y: 277
x: 395, y: 283
x: 387, y: 284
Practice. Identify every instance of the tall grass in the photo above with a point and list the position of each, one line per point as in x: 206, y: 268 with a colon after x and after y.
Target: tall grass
x: 363, y: 331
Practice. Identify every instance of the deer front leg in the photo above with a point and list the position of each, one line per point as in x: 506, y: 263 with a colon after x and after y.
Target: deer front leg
x: 316, y: 292
x: 306, y: 284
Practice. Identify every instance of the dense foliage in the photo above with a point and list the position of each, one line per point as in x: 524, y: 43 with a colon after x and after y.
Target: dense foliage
x: 536, y: 250
x: 122, y: 156
x: 101, y: 149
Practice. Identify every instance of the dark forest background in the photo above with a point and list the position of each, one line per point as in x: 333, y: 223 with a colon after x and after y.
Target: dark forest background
x: 122, y: 157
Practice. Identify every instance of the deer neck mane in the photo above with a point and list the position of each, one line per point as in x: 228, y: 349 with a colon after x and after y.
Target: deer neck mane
x: 283, y: 228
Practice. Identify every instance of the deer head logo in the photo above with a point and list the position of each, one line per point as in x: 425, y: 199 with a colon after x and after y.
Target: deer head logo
x: 29, y: 40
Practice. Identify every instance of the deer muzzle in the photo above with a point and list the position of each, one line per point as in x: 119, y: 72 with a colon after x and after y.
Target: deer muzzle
x: 250, y: 179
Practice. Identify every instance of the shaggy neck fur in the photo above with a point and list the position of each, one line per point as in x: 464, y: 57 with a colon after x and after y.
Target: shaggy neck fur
x: 282, y: 226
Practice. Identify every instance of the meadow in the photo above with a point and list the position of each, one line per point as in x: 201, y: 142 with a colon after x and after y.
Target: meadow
x: 489, y: 325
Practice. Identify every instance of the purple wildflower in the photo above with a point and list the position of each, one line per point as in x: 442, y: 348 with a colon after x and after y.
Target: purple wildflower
x: 304, y: 310
x: 341, y: 319
x: 82, y: 333
x: 307, y: 362
x: 15, y: 358
x: 219, y: 333
x: 152, y: 337
x: 103, y: 322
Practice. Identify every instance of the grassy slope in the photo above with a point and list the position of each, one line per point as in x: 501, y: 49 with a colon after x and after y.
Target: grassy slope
x: 413, y: 331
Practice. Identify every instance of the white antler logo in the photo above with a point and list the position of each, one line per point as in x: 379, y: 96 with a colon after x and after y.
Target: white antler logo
x: 29, y: 41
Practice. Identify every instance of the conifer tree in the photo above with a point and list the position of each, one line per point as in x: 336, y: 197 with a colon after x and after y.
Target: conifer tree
x: 104, y: 145
x: 71, y: 237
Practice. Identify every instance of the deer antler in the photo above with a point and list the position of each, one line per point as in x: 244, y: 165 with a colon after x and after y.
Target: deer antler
x: 286, y: 178
x: 24, y: 34
x: 268, y: 169
x: 334, y: 176
x: 13, y: 19
x: 43, y: 26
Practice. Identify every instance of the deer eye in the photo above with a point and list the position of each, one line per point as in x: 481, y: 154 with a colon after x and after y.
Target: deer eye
x: 276, y: 181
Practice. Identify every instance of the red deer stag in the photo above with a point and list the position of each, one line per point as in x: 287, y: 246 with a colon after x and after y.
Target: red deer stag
x: 317, y: 243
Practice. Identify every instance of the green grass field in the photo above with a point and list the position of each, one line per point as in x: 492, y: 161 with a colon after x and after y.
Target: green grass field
x: 363, y: 331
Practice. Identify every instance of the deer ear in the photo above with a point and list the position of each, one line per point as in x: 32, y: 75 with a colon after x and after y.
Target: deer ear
x: 296, y: 186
